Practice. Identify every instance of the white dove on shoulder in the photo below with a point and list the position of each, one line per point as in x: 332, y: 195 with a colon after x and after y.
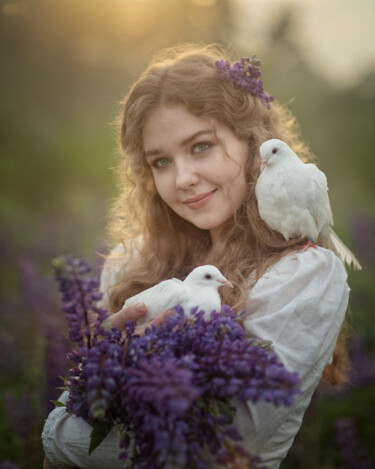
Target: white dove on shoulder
x: 293, y: 198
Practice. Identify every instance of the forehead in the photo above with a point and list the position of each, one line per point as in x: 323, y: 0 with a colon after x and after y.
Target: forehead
x: 172, y: 124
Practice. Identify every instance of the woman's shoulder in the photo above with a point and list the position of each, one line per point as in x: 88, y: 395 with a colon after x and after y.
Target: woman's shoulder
x: 120, y: 256
x: 301, y: 265
x: 306, y: 276
x: 117, y: 263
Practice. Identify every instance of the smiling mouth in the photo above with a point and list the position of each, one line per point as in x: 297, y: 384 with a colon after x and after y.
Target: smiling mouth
x: 199, y: 200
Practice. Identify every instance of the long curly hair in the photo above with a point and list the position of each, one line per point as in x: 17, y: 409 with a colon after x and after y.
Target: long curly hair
x: 169, y: 246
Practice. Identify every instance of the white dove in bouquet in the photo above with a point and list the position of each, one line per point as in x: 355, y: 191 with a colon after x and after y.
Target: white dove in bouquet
x: 200, y: 288
x: 293, y: 198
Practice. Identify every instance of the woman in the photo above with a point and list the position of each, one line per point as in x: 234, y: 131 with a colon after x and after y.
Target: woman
x: 190, y: 135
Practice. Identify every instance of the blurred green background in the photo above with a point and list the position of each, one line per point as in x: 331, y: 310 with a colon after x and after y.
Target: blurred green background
x: 65, y: 67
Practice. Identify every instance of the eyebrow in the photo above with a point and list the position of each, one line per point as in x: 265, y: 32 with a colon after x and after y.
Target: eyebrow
x: 183, y: 143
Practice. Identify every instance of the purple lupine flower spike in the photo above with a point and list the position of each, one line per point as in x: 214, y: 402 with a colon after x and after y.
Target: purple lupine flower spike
x: 355, y: 454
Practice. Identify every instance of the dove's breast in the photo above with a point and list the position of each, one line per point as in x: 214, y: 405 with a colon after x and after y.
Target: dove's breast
x: 284, y: 200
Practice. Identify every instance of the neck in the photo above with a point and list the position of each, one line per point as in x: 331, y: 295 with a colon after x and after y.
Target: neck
x: 215, y: 236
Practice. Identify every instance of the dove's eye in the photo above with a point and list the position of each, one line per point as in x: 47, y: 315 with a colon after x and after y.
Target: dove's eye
x: 208, y: 276
x: 274, y: 150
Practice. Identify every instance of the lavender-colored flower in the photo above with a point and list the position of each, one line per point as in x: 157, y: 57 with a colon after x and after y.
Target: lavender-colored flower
x: 157, y: 397
x: 56, y: 350
x: 354, y: 453
x: 361, y: 372
x: 19, y: 412
x: 245, y: 74
x: 8, y: 465
x: 79, y: 294
x: 364, y: 237
x: 170, y: 390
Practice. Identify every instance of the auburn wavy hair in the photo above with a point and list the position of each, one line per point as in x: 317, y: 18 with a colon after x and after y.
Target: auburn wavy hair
x: 169, y: 246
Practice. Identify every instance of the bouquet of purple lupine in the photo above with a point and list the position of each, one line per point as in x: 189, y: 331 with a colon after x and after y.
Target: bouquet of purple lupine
x: 168, y: 392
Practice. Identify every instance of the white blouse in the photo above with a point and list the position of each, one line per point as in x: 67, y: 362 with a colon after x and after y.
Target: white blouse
x: 299, y: 305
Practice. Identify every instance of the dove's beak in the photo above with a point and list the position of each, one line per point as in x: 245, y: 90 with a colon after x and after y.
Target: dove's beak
x: 226, y: 283
x: 263, y: 164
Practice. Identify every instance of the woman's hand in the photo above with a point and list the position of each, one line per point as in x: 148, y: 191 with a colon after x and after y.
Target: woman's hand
x: 47, y: 464
x: 135, y: 313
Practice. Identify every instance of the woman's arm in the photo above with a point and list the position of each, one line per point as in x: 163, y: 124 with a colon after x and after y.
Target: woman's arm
x: 299, y: 305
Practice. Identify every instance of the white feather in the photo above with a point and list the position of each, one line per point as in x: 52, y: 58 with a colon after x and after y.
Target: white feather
x: 293, y: 198
x: 200, y: 288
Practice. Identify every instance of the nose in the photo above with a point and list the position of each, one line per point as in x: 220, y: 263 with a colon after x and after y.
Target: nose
x: 186, y: 175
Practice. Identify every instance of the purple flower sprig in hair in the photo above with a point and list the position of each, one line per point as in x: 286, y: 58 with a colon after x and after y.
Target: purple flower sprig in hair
x: 245, y: 74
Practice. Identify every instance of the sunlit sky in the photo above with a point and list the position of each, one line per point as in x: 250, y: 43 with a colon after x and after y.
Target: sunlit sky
x: 336, y: 36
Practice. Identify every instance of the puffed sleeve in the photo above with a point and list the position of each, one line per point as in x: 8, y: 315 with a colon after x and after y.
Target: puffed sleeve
x: 112, y: 271
x: 300, y: 305
x: 115, y: 267
x: 66, y: 440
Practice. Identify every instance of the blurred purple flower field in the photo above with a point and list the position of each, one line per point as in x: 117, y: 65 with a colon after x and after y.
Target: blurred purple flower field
x: 34, y: 345
x: 66, y: 66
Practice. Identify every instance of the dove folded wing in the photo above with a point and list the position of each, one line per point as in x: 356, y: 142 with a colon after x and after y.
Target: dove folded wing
x: 165, y: 295
x: 284, y: 202
x: 342, y: 251
x: 318, y: 203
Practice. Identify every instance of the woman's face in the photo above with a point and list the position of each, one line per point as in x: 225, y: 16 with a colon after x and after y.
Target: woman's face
x: 197, y: 164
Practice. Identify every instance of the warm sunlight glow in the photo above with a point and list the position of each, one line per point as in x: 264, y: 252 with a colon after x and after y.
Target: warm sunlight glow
x: 133, y: 18
x: 13, y: 8
x: 204, y: 3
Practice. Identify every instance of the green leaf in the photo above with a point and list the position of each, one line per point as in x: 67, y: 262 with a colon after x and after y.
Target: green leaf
x: 225, y: 409
x: 99, y: 432
x: 58, y: 403
x: 200, y: 403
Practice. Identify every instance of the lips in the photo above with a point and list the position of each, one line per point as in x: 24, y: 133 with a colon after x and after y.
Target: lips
x: 199, y: 200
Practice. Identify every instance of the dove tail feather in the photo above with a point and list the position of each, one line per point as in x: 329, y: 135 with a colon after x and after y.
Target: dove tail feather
x: 343, y: 252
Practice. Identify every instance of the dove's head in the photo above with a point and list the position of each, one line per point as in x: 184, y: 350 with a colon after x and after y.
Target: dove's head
x: 208, y: 276
x: 272, y: 151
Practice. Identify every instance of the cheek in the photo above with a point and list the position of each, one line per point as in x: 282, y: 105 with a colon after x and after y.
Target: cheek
x: 236, y: 185
x: 164, y: 188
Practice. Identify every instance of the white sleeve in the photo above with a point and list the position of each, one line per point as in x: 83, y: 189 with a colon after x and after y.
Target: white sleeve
x: 113, y: 269
x: 115, y: 266
x: 299, y: 304
x: 66, y: 440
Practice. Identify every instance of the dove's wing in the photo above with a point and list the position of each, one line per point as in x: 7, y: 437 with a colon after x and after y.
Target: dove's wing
x: 318, y: 200
x: 342, y: 251
x: 164, y: 295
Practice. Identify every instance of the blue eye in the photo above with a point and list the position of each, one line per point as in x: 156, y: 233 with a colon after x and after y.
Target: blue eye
x: 160, y: 163
x: 201, y: 147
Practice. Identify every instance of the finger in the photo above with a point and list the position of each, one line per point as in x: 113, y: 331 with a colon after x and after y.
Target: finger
x: 130, y: 313
x: 162, y: 317
x: 158, y: 321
